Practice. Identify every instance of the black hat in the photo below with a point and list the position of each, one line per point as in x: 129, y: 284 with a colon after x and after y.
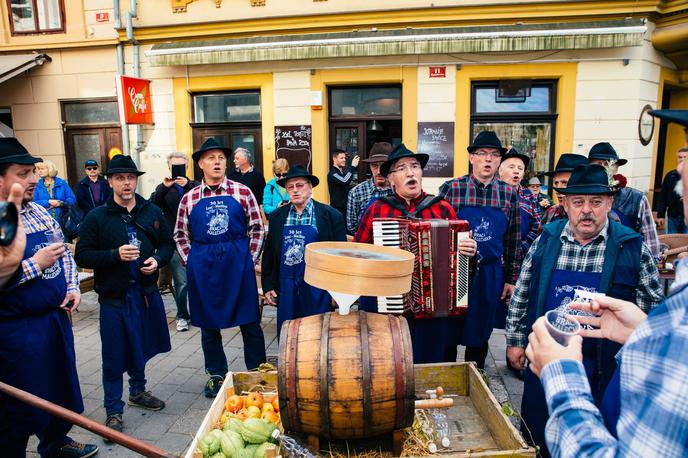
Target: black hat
x: 298, y: 171
x: 566, y: 163
x: 13, y: 152
x: 606, y: 152
x: 486, y: 139
x: 677, y: 116
x: 513, y: 153
x: 588, y: 179
x: 211, y: 144
x: 122, y: 164
x: 401, y: 152
x: 378, y: 153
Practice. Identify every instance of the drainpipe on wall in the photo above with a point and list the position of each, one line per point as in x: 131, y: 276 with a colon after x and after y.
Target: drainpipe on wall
x: 131, y: 14
x: 120, y: 71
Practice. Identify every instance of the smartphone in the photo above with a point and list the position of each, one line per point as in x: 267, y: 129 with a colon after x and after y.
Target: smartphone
x: 178, y: 170
x: 9, y: 218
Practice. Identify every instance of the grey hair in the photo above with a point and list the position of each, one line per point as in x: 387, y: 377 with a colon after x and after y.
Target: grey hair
x: 244, y: 152
x: 177, y: 154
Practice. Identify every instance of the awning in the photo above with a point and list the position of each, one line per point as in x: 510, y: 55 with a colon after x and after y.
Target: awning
x: 12, y: 65
x: 447, y: 40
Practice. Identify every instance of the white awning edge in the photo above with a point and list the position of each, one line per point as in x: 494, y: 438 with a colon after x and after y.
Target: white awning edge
x: 12, y: 65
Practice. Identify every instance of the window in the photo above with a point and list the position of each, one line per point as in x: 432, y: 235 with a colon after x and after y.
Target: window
x: 36, y: 16
x: 227, y: 107
x: 80, y: 113
x: 526, y: 123
x: 362, y: 102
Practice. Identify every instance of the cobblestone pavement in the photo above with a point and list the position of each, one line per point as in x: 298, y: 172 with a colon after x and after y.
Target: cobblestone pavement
x: 178, y: 379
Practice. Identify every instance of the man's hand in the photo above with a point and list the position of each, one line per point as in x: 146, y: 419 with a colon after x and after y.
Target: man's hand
x: 507, y: 292
x: 468, y: 247
x: 167, y: 182
x: 543, y: 349
x: 516, y: 357
x: 181, y: 181
x: 48, y: 255
x: 75, y: 298
x: 12, y: 255
x: 128, y: 253
x: 616, y: 319
x: 271, y: 297
x: 544, y: 203
x: 54, y: 203
x: 660, y: 222
x: 149, y: 266
x: 354, y: 161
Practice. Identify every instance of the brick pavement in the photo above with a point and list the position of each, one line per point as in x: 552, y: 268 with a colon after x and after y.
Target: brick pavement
x: 178, y: 379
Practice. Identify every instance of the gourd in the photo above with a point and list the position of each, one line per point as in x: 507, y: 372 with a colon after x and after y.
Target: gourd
x: 256, y: 431
x: 230, y: 443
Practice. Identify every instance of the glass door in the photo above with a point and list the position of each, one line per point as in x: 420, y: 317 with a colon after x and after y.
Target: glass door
x: 248, y: 137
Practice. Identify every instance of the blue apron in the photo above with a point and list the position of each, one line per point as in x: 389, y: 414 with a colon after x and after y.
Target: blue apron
x: 489, y: 226
x: 611, y: 403
x: 220, y: 274
x: 136, y: 331
x: 560, y: 293
x: 36, y: 348
x: 298, y: 299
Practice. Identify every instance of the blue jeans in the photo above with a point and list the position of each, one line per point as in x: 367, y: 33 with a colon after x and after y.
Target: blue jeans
x: 214, y: 353
x: 113, y: 385
x: 179, y: 280
x: 676, y: 226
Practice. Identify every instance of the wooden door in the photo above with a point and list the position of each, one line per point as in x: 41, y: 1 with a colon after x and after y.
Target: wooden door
x: 232, y: 137
x: 89, y: 143
x: 349, y: 136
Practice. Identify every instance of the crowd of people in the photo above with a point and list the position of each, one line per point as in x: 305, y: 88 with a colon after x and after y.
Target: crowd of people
x: 615, y: 389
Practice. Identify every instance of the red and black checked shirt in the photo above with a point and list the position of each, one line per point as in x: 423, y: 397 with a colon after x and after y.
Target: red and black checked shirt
x: 380, y: 209
x: 468, y: 191
x: 254, y: 222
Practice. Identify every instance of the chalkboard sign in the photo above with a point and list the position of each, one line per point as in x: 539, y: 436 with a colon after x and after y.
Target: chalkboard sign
x: 293, y: 143
x: 436, y: 139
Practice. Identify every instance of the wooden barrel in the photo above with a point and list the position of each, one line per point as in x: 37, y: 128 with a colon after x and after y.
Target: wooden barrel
x: 346, y: 376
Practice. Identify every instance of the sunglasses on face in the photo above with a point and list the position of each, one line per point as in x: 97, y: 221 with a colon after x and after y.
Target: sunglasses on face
x: 281, y: 175
x: 91, y: 168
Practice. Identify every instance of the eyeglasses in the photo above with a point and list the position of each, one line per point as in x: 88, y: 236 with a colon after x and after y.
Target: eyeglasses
x: 295, y: 186
x: 494, y: 154
x: 91, y: 168
x: 280, y: 175
x: 413, y: 168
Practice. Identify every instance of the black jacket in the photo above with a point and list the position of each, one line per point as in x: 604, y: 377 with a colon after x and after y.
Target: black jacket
x: 339, y: 184
x: 669, y: 202
x: 329, y: 222
x: 253, y: 179
x: 84, y: 197
x: 102, y: 233
x: 168, y: 200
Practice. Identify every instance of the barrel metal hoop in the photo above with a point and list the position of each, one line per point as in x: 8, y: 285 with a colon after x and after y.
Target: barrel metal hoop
x: 395, y: 329
x: 325, y: 375
x: 293, y: 415
x: 366, y: 376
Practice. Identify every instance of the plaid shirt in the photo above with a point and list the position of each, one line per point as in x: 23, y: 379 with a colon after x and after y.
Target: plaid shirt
x: 468, y: 191
x: 653, y: 420
x: 529, y: 204
x: 254, y: 222
x: 380, y: 209
x: 37, y: 219
x: 578, y: 258
x: 648, y: 229
x: 554, y: 213
x: 306, y: 218
x: 359, y: 197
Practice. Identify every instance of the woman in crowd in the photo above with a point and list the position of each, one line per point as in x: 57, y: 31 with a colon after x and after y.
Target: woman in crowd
x: 275, y: 195
x: 52, y: 192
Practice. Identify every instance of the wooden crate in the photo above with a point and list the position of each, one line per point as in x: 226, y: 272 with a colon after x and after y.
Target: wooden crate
x: 478, y: 427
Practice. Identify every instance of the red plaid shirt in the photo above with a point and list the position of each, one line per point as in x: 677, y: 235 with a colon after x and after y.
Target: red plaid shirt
x: 254, y: 222
x: 380, y: 209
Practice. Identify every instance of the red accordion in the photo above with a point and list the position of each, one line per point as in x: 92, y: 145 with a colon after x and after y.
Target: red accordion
x: 439, y: 287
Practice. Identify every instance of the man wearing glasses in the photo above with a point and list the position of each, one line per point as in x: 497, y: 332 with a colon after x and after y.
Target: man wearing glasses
x: 292, y: 227
x: 94, y: 190
x: 404, y: 170
x: 492, y: 208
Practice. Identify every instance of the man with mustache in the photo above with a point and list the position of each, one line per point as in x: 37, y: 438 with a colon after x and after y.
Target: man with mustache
x: 587, y: 251
x: 560, y: 178
x: 404, y: 170
x: 362, y: 194
x: 492, y: 208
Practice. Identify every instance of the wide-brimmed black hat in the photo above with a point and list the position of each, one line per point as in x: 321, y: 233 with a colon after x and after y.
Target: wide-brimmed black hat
x: 606, y: 152
x: 298, y: 171
x: 566, y: 163
x: 13, y: 152
x: 513, y: 153
x: 486, y: 139
x: 208, y: 145
x: 401, y: 152
x: 122, y: 164
x: 677, y: 116
x: 379, y: 153
x: 588, y: 179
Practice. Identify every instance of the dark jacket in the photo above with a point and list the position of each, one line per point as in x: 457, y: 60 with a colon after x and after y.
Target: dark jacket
x: 168, y: 200
x: 102, y: 233
x: 84, y: 197
x: 253, y: 179
x: 668, y: 201
x: 339, y: 184
x: 329, y: 222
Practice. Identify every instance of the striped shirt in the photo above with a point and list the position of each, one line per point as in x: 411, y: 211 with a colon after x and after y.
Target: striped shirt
x: 242, y: 194
x: 37, y: 219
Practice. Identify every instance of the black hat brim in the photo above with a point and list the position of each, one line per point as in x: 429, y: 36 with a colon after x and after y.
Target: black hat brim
x: 118, y: 170
x: 421, y: 157
x: 23, y: 159
x: 196, y: 156
x: 592, y: 190
x: 677, y: 116
x: 554, y: 172
x: 523, y: 157
x: 312, y: 178
x: 501, y: 149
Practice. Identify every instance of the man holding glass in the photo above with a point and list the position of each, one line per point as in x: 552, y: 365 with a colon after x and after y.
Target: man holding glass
x: 125, y: 242
x: 586, y: 252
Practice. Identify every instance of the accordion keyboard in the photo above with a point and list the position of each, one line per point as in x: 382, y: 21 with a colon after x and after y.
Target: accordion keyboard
x: 388, y: 233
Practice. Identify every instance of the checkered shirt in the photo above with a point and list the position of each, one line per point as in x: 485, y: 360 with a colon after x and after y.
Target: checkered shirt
x: 34, y: 219
x: 380, y: 209
x: 648, y: 229
x: 529, y: 204
x: 577, y: 258
x: 306, y: 218
x: 359, y: 197
x: 653, y: 420
x: 468, y: 191
x: 242, y: 194
x: 554, y: 213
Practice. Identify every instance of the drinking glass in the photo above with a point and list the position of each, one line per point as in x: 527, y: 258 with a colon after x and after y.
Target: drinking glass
x: 54, y: 236
x: 561, y: 326
x: 134, y: 240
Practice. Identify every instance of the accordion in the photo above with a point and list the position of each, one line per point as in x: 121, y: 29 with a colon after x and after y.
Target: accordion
x: 439, y: 286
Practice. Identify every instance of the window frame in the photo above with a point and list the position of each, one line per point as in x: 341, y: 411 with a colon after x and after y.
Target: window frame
x: 252, y: 122
x: 362, y: 117
x: 37, y: 30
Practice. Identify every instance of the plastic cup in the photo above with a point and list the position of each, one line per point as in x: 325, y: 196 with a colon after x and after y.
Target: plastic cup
x: 54, y: 236
x: 134, y: 241
x: 561, y: 326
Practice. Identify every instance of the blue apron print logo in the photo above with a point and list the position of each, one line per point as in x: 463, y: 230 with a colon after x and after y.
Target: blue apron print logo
x: 52, y: 271
x: 217, y: 215
x: 483, y: 231
x: 295, y: 244
x: 564, y: 295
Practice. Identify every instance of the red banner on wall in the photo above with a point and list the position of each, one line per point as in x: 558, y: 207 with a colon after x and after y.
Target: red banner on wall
x: 134, y: 99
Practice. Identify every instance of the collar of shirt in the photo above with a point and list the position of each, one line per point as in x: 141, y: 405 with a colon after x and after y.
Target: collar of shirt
x: 224, y: 185
x: 567, y: 234
x: 375, y: 188
x: 306, y: 213
x: 480, y: 184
